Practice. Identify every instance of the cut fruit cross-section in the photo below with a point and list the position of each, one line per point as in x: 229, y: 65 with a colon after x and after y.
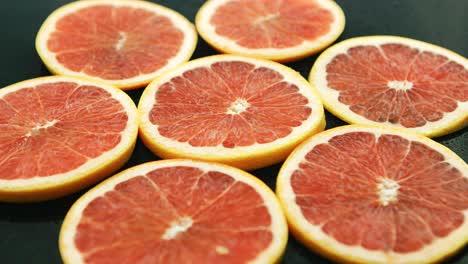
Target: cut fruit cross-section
x: 172, y: 212
x: 61, y: 134
x: 365, y: 194
x: 244, y: 112
x: 270, y: 29
x: 396, y: 82
x: 125, y: 43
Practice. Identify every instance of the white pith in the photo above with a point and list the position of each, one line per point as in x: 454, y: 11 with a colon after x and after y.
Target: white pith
x: 121, y: 42
x: 180, y: 22
x: 357, y: 254
x: 177, y: 227
x: 37, y: 129
x: 400, y: 85
x: 148, y: 100
x: 330, y: 96
x: 266, y: 18
x: 128, y: 136
x: 388, y: 191
x: 239, y: 106
x: 278, y: 227
x: 222, y: 250
x: 207, y: 30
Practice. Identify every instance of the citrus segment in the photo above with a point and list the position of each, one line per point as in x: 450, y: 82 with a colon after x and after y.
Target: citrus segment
x: 124, y: 43
x: 395, y: 82
x: 59, y: 133
x: 175, y: 211
x: 245, y: 112
x: 367, y: 194
x: 277, y: 30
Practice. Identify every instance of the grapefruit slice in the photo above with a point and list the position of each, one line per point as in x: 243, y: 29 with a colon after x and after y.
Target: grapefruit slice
x: 395, y: 82
x: 124, y: 43
x: 241, y: 111
x: 277, y: 30
x: 373, y: 195
x: 175, y: 211
x: 61, y: 134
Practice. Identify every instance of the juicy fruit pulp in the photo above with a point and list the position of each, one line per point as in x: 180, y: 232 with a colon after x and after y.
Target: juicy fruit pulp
x: 174, y: 214
x: 231, y: 103
x: 113, y: 42
x: 53, y: 128
x: 271, y: 24
x: 123, y: 43
x: 398, y: 84
x: 201, y: 221
x: 380, y: 191
x: 389, y: 193
x: 240, y: 111
x: 276, y: 30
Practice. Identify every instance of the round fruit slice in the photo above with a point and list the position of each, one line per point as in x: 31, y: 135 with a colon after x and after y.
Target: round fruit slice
x: 244, y: 112
x: 277, y: 30
x: 176, y: 211
x: 396, y: 82
x: 61, y: 134
x: 374, y: 195
x: 125, y: 43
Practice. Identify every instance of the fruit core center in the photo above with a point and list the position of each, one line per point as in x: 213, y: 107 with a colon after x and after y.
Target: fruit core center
x: 222, y: 250
x: 388, y: 191
x: 121, y: 42
x: 239, y: 106
x: 266, y: 18
x: 177, y: 227
x: 37, y: 129
x: 400, y: 85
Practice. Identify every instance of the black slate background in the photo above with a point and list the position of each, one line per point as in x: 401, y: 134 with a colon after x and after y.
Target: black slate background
x: 29, y: 232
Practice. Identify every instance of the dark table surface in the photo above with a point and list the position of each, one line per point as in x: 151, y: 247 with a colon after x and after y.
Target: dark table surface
x: 29, y: 232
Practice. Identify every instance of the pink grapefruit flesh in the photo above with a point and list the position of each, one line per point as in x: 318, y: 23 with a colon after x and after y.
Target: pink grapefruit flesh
x: 338, y: 185
x: 264, y: 24
x: 398, y: 84
x: 56, y: 127
x: 175, y: 211
x: 218, y: 213
x: 61, y: 134
x: 367, y: 194
x: 395, y: 82
x: 231, y: 103
x: 114, y: 42
x: 240, y: 111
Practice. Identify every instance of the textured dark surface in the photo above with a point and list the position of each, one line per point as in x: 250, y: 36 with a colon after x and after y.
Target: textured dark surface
x: 29, y: 232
